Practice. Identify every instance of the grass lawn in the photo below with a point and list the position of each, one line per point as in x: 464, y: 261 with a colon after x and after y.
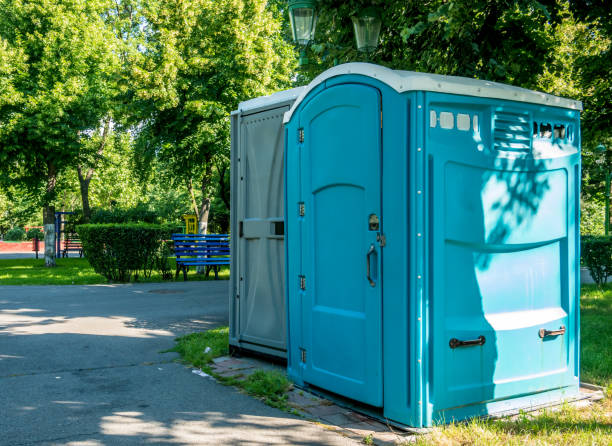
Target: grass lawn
x: 561, y: 426
x: 71, y: 271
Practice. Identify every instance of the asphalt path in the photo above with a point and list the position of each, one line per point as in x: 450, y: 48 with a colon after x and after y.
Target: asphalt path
x: 82, y: 366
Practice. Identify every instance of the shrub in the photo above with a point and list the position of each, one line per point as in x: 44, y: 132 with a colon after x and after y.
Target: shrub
x: 120, y: 251
x: 35, y: 232
x: 136, y: 214
x: 592, y: 217
x: 597, y: 257
x: 15, y: 234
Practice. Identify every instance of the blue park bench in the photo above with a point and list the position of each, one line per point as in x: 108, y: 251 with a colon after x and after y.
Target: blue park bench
x: 209, y: 250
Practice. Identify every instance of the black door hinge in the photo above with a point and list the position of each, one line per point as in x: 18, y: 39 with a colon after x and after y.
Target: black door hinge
x: 300, y: 135
x: 302, y: 282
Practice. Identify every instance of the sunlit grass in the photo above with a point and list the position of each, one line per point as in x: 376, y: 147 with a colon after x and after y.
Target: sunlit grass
x: 596, y: 334
x: 565, y: 426
x: 72, y: 271
x: 199, y: 349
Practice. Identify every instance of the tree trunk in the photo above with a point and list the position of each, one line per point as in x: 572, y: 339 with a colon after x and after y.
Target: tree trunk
x: 85, y: 177
x: 204, y: 210
x: 192, y: 195
x: 84, y: 186
x: 203, y: 216
x: 49, y: 217
x: 224, y: 185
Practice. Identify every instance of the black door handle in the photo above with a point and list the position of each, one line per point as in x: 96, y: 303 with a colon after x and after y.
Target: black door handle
x: 544, y: 333
x: 454, y: 343
x: 371, y: 251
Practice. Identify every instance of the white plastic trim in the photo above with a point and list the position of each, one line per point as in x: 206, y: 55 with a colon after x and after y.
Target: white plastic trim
x: 402, y: 81
x: 279, y: 97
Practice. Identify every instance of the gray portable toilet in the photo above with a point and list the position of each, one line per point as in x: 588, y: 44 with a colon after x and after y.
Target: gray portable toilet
x: 257, y: 283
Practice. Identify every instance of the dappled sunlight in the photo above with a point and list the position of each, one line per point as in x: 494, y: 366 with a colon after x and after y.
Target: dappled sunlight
x: 215, y: 427
x: 24, y: 310
x: 84, y: 443
x: 130, y: 424
x: 15, y: 323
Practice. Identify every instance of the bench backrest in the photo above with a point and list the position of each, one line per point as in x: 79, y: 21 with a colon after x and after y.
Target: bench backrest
x: 201, y: 244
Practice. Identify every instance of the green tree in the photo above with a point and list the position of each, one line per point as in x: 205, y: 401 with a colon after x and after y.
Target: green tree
x: 200, y: 59
x: 499, y: 40
x: 124, y: 19
x: 596, y: 68
x: 62, y: 79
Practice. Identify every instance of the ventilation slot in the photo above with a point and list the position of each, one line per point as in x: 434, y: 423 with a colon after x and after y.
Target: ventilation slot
x: 512, y: 131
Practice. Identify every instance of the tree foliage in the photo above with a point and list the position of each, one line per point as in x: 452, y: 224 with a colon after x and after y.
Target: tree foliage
x: 59, y: 58
x: 201, y: 58
x: 499, y: 40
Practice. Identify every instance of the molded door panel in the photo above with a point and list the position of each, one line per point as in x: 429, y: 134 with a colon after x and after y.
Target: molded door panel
x: 341, y: 188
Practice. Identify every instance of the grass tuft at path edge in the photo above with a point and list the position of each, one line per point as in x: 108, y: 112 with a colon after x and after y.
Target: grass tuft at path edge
x: 199, y: 349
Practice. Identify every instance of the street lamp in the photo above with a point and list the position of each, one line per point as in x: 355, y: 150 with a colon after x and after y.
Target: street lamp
x: 602, y: 149
x: 367, y: 29
x: 303, y: 18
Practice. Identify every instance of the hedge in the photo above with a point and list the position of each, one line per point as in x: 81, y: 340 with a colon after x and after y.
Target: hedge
x: 597, y: 257
x: 15, y: 235
x: 122, y: 251
x: 35, y: 232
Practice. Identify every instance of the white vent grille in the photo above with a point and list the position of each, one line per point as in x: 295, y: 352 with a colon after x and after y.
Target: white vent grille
x: 511, y: 131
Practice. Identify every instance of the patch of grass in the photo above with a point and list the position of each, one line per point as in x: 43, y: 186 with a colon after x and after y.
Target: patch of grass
x: 199, y: 349
x: 269, y: 385
x: 567, y: 426
x: 368, y: 439
x: 73, y: 271
x: 596, y: 334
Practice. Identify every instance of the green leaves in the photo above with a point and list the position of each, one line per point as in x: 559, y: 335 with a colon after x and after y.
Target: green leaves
x: 58, y: 64
x: 198, y: 60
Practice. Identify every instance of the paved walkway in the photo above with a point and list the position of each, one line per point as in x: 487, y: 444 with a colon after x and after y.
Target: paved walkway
x: 81, y: 365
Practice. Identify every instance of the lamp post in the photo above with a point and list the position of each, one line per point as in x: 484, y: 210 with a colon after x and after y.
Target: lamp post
x: 602, y: 149
x: 303, y: 18
x: 366, y: 25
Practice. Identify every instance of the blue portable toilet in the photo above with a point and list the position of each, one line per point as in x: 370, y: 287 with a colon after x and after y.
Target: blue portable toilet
x: 432, y: 257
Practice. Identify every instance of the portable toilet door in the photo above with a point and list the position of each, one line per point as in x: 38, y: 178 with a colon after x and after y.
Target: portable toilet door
x: 432, y: 243
x: 257, y: 281
x: 340, y: 210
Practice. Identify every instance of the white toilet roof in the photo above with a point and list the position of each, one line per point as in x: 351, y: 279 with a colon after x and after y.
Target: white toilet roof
x: 402, y: 81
